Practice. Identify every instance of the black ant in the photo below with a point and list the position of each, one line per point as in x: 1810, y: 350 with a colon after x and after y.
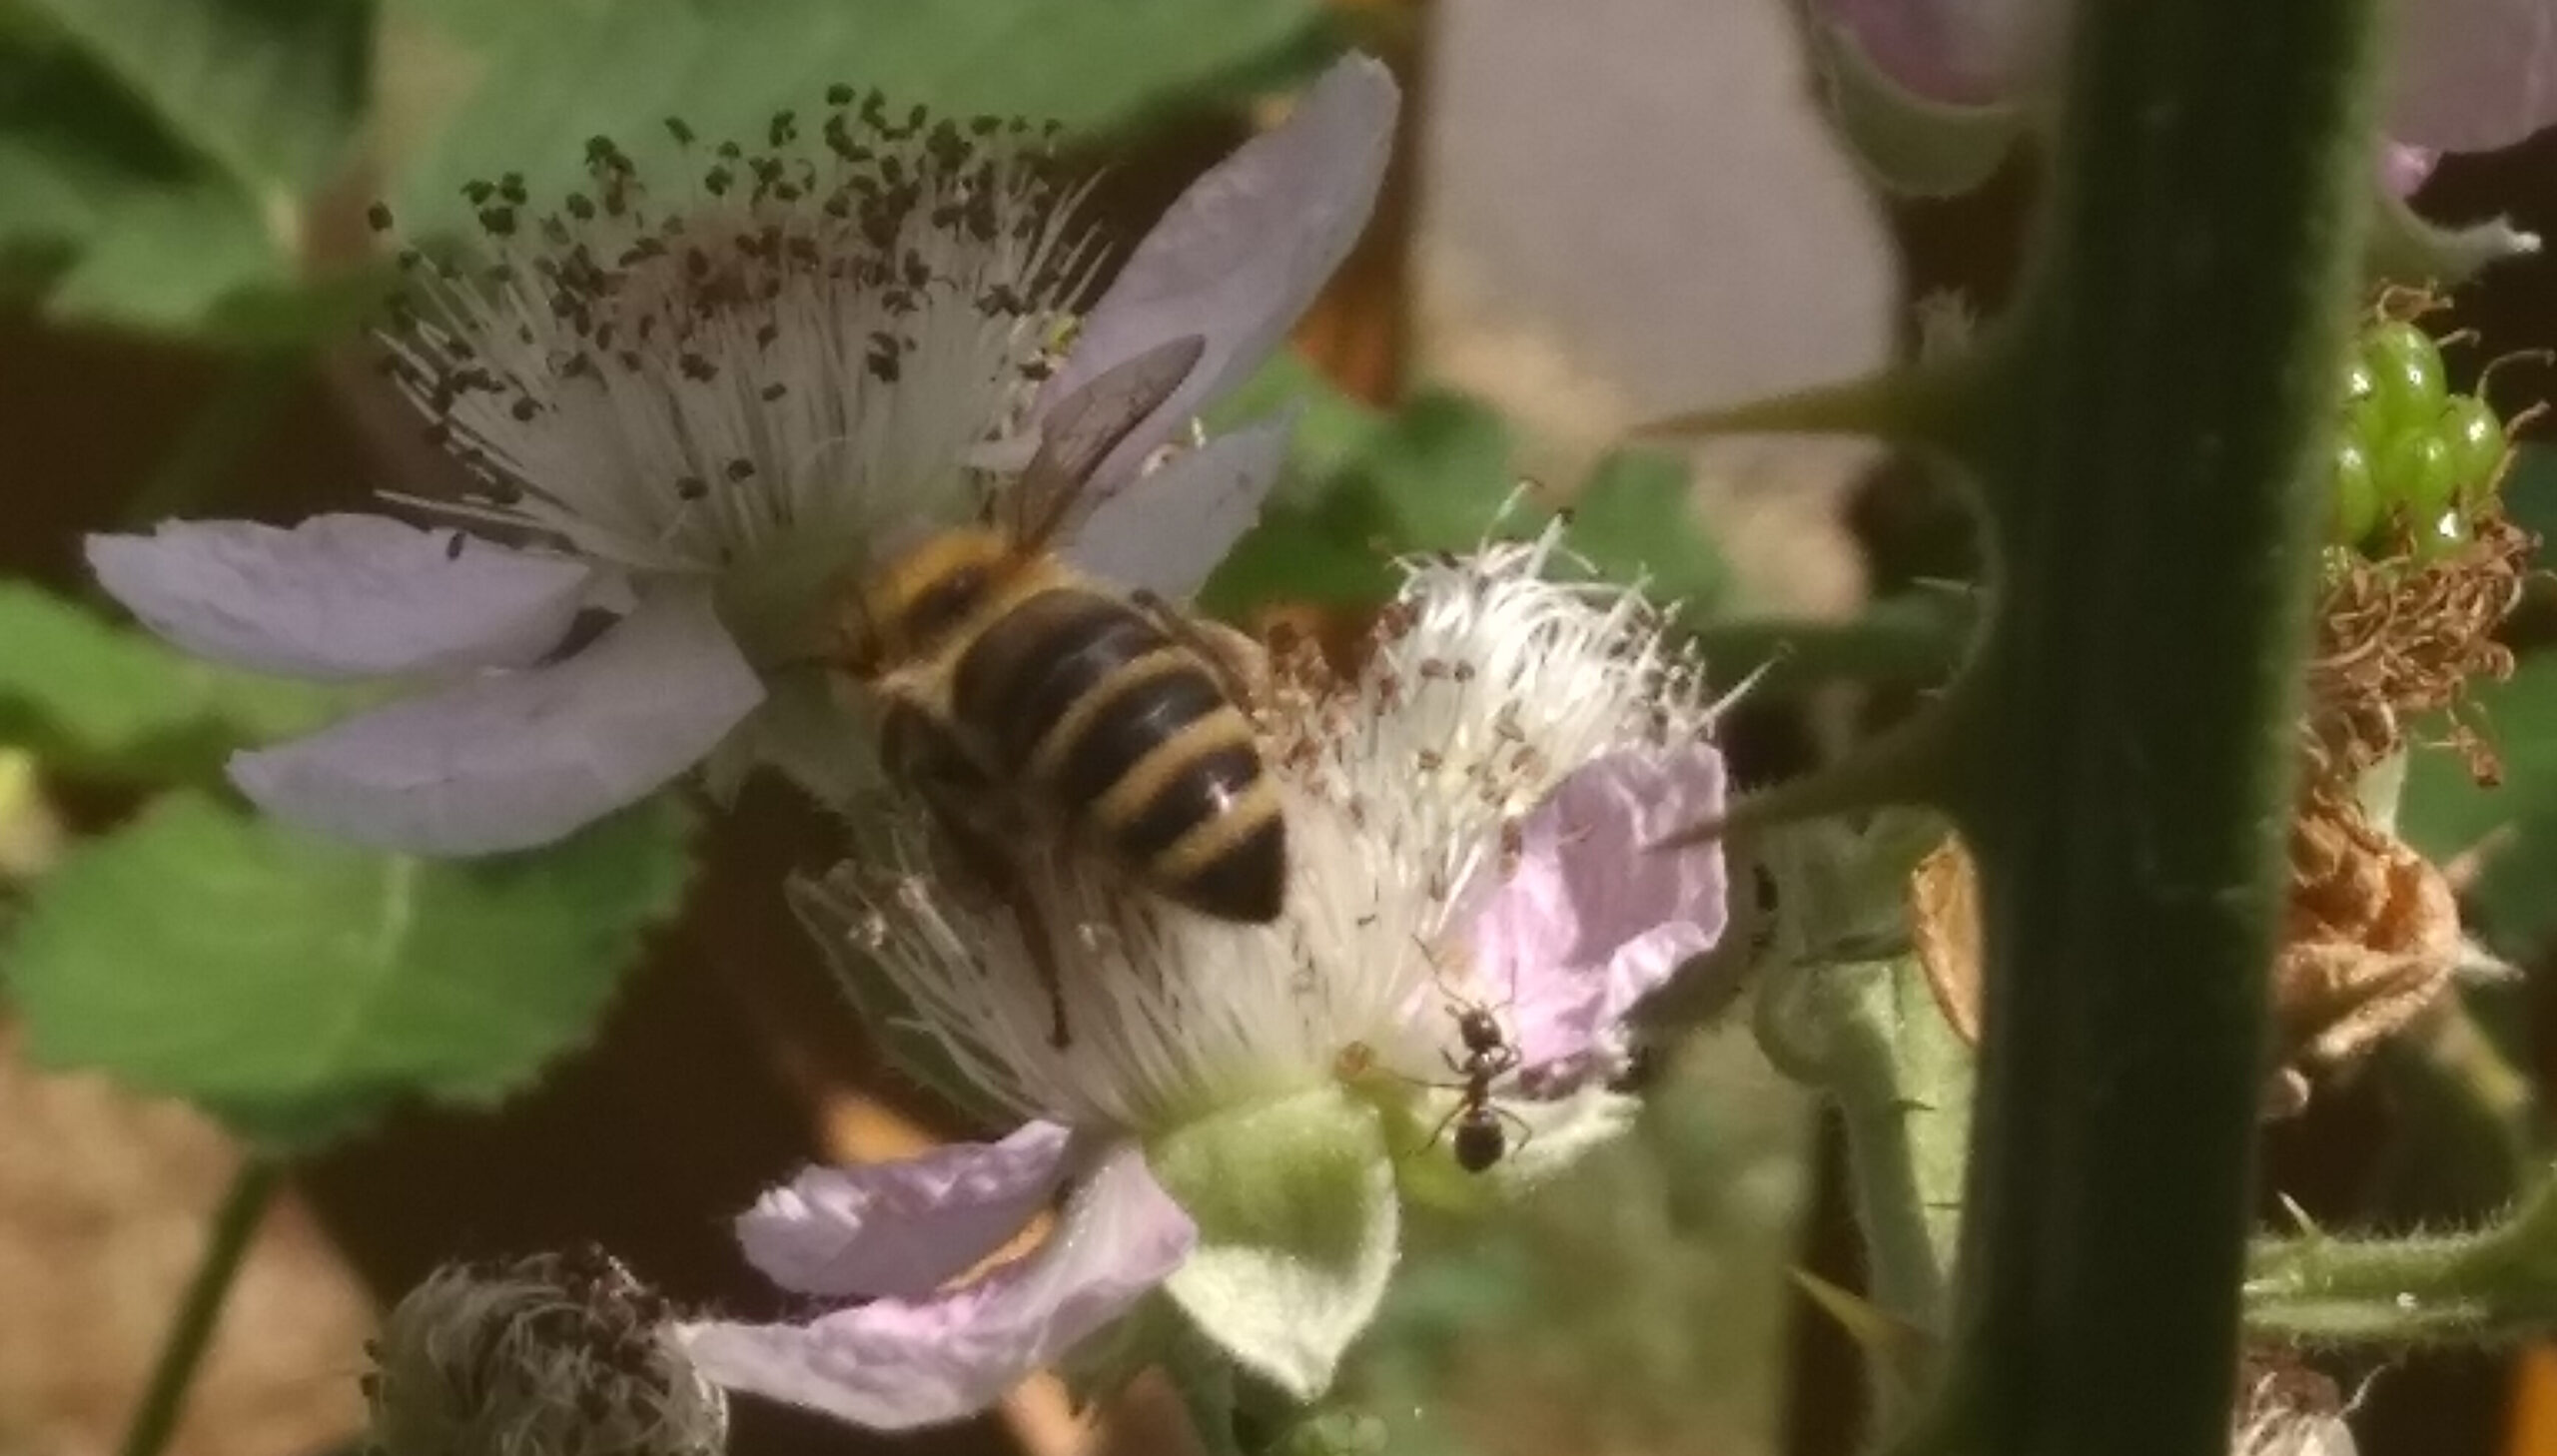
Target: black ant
x: 1482, y: 1133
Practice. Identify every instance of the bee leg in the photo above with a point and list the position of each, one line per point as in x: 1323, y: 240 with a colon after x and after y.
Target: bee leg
x: 985, y: 857
x: 1241, y: 665
x: 954, y: 789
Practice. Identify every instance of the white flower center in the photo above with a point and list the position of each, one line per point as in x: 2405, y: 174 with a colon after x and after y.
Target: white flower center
x: 758, y: 372
x: 1488, y: 683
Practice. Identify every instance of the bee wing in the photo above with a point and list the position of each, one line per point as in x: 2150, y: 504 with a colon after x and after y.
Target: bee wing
x: 1084, y: 427
x: 1167, y: 530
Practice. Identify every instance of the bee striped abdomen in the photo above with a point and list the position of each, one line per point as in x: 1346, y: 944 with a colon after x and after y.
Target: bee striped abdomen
x: 1082, y: 697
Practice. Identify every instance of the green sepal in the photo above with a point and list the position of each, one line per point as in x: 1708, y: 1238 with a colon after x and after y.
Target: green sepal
x: 1299, y: 1230
x: 1904, y: 142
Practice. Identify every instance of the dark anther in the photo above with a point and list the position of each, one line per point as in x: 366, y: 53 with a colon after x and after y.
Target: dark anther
x: 677, y: 129
x: 378, y: 217
x: 739, y: 469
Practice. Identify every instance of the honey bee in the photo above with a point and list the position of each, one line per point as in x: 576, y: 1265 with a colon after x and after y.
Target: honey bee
x: 1015, y: 686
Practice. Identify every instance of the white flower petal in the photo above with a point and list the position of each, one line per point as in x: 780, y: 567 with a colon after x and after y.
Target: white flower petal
x: 2473, y: 75
x: 902, y: 1227
x: 1244, y: 252
x: 516, y: 759
x: 341, y: 596
x: 895, y: 1364
x: 1167, y: 530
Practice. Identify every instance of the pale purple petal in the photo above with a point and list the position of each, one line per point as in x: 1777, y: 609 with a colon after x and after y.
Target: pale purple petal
x: 1592, y: 920
x: 510, y: 760
x: 1961, y: 52
x: 341, y: 596
x: 1243, y: 253
x: 2402, y: 169
x: 894, y: 1364
x: 1167, y: 530
x: 2473, y: 75
x: 902, y: 1227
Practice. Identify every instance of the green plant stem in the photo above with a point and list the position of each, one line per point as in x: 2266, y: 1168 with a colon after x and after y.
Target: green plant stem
x: 156, y: 1420
x: 2497, y: 1283
x: 1869, y: 1036
x: 2165, y: 380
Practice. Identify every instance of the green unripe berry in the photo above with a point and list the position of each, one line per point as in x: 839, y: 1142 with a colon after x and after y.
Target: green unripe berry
x: 2476, y: 441
x: 2358, y: 503
x: 2441, y: 533
x: 2407, y: 385
x: 2360, y: 381
x: 2418, y: 474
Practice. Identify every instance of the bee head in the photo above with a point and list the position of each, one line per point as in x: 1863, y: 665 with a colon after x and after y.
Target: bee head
x: 909, y: 606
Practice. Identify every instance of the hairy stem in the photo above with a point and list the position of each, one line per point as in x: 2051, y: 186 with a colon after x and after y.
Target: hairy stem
x: 2498, y: 1283
x: 252, y: 1188
x: 2165, y: 379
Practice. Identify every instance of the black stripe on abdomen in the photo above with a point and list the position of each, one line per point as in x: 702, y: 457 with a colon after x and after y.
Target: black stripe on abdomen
x: 1024, y: 672
x: 1204, y: 788
x: 1135, y: 721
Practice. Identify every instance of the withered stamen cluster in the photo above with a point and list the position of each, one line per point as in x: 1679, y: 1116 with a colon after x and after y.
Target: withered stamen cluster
x: 2401, y: 637
x: 553, y: 1355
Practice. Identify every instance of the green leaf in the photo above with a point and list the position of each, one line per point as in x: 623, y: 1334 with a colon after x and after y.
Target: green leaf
x: 725, y: 71
x: 1332, y: 430
x: 157, y: 156
x: 2445, y: 811
x: 1438, y: 475
x: 268, y: 91
x: 1363, y: 487
x: 168, y: 260
x: 297, y: 988
x: 72, y: 149
x: 1636, y: 520
x: 1298, y: 1226
x: 1296, y: 554
x: 103, y: 701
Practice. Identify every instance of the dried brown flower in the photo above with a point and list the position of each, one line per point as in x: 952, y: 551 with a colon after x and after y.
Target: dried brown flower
x: 2371, y: 939
x: 2401, y: 637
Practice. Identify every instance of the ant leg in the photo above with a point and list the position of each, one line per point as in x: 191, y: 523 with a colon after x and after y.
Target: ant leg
x: 1440, y: 1131
x: 1527, y: 1130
